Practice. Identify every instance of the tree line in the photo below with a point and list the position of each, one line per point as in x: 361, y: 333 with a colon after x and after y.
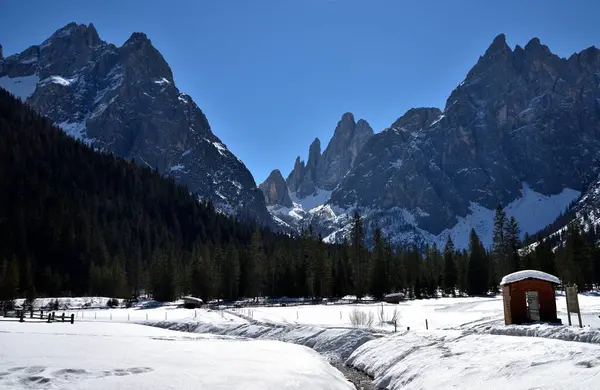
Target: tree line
x: 77, y: 222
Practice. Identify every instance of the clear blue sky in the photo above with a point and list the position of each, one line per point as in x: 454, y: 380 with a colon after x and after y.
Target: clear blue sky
x: 271, y: 75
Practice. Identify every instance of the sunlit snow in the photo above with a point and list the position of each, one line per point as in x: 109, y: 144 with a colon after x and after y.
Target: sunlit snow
x: 320, y: 197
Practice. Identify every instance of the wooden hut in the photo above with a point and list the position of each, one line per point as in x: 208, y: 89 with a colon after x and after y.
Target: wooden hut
x: 529, y: 296
x: 192, y: 302
x: 394, y: 297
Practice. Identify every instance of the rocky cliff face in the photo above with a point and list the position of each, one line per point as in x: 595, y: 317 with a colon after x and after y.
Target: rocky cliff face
x: 275, y: 190
x: 124, y: 100
x: 522, y: 130
x: 337, y: 159
x: 521, y: 117
x: 325, y: 171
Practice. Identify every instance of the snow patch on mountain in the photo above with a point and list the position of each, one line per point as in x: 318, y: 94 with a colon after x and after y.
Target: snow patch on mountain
x: 59, y: 80
x: 318, y: 198
x: 76, y: 130
x: 533, y: 211
x: 21, y: 87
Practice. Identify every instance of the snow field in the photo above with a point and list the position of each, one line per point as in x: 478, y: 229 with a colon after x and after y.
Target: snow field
x: 129, y: 356
x: 451, y: 359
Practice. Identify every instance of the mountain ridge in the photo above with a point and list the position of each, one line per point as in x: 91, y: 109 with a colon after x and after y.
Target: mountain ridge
x: 124, y: 100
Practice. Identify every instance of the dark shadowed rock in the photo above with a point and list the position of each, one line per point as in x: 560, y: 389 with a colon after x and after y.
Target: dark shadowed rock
x: 326, y: 171
x: 348, y: 138
x: 295, y: 177
x: 275, y: 190
x: 124, y: 100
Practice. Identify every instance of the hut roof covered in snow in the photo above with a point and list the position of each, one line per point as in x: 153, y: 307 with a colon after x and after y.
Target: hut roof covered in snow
x: 528, y: 274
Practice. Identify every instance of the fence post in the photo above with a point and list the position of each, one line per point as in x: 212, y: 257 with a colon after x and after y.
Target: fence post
x: 72, y: 318
x: 426, y: 324
x: 63, y: 316
x: 53, y: 315
x: 22, y: 316
x: 395, y: 326
x: 408, y: 328
x: 41, y: 314
x: 49, y: 317
x: 31, y: 312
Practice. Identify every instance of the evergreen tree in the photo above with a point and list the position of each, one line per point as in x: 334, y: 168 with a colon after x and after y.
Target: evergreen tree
x: 231, y: 274
x: 513, y: 241
x: 450, y: 271
x: 255, y: 263
x: 500, y: 246
x: 477, y: 276
x: 358, y: 256
x: 379, y: 282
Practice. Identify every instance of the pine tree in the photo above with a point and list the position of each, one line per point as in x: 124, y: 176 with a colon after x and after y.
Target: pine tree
x: 379, y: 268
x: 255, y: 267
x: 578, y: 268
x: 512, y: 236
x: 477, y: 276
x: 500, y: 246
x: 11, y: 280
x: 358, y: 256
x: 231, y: 274
x: 450, y: 272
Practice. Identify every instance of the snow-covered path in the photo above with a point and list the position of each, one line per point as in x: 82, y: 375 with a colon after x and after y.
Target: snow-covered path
x: 88, y: 355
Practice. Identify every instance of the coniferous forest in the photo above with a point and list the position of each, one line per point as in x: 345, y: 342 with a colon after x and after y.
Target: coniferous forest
x: 77, y: 222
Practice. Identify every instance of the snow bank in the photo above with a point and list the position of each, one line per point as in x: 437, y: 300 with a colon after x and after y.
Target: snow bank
x: 556, y: 332
x: 528, y: 274
x: 332, y: 342
x: 454, y: 359
x: 98, y: 356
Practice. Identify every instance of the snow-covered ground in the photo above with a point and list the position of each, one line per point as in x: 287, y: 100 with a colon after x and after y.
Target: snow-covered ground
x: 466, y: 346
x: 453, y: 359
x: 88, y: 355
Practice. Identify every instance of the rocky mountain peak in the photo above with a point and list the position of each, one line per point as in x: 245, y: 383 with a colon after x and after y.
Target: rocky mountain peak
x: 314, y: 153
x: 417, y: 119
x: 347, y: 117
x: 77, y: 33
x: 498, y: 45
x: 138, y: 38
x: 123, y: 100
x: 348, y: 138
x: 275, y: 190
x: 295, y: 177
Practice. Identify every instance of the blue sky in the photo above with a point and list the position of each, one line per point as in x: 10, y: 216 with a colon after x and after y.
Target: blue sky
x: 271, y: 75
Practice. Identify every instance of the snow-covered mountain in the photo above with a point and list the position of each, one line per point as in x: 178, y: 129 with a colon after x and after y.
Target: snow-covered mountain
x: 124, y: 100
x: 521, y: 130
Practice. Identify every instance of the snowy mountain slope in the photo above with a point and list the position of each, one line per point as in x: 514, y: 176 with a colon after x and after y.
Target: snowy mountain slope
x: 124, y: 100
x: 585, y: 212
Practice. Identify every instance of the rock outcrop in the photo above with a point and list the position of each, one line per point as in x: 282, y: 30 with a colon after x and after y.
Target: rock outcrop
x: 275, y: 190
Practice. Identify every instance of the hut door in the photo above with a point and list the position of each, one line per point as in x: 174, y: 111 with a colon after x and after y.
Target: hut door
x: 533, y: 306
